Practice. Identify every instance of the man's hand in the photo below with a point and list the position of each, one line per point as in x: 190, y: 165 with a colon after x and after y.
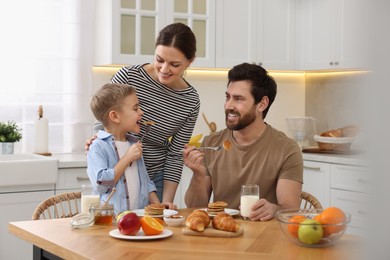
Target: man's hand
x: 263, y: 210
x: 89, y: 142
x: 193, y: 158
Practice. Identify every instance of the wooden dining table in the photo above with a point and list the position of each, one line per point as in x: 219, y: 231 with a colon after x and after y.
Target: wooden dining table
x: 260, y: 240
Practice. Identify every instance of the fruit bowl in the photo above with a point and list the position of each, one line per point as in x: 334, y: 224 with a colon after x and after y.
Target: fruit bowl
x: 314, y: 227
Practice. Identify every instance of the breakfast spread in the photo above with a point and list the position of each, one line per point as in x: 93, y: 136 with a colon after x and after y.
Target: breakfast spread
x: 216, y: 207
x: 154, y: 209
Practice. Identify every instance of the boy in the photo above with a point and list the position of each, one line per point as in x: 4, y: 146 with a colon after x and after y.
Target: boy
x: 115, y: 157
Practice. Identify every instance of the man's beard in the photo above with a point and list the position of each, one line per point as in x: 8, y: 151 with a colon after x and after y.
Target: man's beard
x: 243, y: 121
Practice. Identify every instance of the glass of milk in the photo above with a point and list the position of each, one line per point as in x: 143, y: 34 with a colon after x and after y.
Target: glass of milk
x: 250, y: 193
x: 88, y: 196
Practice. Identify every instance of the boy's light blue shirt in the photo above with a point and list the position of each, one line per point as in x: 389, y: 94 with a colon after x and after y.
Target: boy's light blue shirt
x: 102, y: 158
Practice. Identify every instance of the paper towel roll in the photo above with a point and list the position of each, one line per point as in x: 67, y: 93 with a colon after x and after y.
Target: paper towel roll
x: 41, y: 135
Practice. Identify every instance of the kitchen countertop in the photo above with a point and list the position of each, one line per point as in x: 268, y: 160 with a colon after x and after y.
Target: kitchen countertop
x: 358, y: 159
x: 74, y: 160
x: 71, y: 160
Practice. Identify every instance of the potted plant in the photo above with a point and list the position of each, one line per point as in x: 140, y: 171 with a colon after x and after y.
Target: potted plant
x: 9, y: 134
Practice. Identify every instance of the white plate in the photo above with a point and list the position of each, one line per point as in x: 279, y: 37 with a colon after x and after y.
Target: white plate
x: 231, y: 212
x: 141, y: 235
x: 167, y: 213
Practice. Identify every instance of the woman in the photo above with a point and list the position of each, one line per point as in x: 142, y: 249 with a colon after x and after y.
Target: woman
x: 168, y: 100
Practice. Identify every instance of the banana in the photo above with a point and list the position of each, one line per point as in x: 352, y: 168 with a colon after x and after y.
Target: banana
x: 195, y: 139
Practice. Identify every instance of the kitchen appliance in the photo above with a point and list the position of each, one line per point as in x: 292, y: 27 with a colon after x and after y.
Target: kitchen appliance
x: 302, y: 129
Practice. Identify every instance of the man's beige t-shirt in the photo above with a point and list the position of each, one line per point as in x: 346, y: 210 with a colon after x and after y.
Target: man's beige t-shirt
x: 273, y: 156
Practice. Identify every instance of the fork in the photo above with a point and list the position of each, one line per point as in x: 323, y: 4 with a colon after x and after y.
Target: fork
x: 215, y: 148
x: 146, y: 131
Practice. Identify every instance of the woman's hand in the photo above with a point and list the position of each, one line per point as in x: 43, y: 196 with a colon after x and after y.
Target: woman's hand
x: 89, y: 142
x: 169, y: 205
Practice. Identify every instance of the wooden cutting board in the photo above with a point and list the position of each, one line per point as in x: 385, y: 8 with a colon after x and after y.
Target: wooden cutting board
x: 211, y: 232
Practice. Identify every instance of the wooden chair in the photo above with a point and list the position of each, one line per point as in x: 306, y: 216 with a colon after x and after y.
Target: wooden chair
x: 308, y: 201
x: 63, y: 205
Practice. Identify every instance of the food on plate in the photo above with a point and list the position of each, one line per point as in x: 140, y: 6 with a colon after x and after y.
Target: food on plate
x: 154, y: 209
x: 121, y: 214
x: 346, y: 131
x: 129, y: 224
x: 227, y: 145
x: 293, y: 228
x: 217, y: 206
x: 198, y: 220
x: 151, y: 226
x: 225, y: 222
x: 310, y: 231
x: 329, y: 217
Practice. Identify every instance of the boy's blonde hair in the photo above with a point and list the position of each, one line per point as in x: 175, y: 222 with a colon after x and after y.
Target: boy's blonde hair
x: 109, y: 97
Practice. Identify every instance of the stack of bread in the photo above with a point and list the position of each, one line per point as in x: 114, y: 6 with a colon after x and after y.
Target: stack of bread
x: 154, y: 209
x: 216, y: 207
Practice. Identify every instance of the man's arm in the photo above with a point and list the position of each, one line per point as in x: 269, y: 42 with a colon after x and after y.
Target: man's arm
x: 199, y: 189
x: 288, y: 193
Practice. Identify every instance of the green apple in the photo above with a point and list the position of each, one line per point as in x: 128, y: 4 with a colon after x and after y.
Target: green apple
x: 118, y: 217
x: 310, y: 231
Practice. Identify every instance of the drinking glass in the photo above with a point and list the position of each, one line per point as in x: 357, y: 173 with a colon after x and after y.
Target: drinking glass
x: 250, y: 193
x: 88, y: 196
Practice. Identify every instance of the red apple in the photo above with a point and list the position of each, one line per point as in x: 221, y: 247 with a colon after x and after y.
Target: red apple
x: 129, y: 224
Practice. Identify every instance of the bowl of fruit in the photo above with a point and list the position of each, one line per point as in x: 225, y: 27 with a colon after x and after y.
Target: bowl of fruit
x: 313, y: 227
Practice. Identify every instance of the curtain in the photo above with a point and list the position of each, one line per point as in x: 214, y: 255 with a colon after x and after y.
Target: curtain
x: 46, y: 59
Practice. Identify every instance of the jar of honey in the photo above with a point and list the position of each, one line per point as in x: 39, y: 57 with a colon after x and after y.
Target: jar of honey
x: 102, y: 214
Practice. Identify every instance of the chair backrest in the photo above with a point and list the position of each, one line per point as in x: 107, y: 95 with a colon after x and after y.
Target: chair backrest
x: 308, y: 201
x: 63, y: 205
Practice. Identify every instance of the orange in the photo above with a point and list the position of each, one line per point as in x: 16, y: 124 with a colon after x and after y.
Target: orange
x: 160, y: 221
x: 331, y: 216
x: 151, y: 226
x: 293, y: 228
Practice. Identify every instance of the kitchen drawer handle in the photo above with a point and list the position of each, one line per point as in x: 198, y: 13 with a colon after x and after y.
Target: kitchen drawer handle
x: 312, y: 168
x: 82, y: 178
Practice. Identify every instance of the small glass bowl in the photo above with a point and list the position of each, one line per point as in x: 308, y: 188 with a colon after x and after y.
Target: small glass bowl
x: 82, y: 220
x: 174, y: 220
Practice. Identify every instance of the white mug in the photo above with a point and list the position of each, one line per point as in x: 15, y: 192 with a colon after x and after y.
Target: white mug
x: 250, y: 193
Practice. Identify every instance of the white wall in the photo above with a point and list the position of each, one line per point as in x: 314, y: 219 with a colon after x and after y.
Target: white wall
x: 211, y: 86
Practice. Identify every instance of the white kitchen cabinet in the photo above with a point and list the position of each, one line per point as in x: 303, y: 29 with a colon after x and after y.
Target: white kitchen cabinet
x: 19, y: 205
x: 255, y: 31
x: 316, y: 180
x: 126, y: 31
x: 349, y: 191
x: 71, y: 179
x: 332, y: 34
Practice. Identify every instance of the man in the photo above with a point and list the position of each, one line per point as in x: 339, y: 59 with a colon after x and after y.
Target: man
x: 260, y: 154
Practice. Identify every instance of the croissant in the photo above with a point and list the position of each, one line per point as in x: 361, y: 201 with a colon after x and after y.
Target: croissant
x: 198, y: 220
x: 225, y: 222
